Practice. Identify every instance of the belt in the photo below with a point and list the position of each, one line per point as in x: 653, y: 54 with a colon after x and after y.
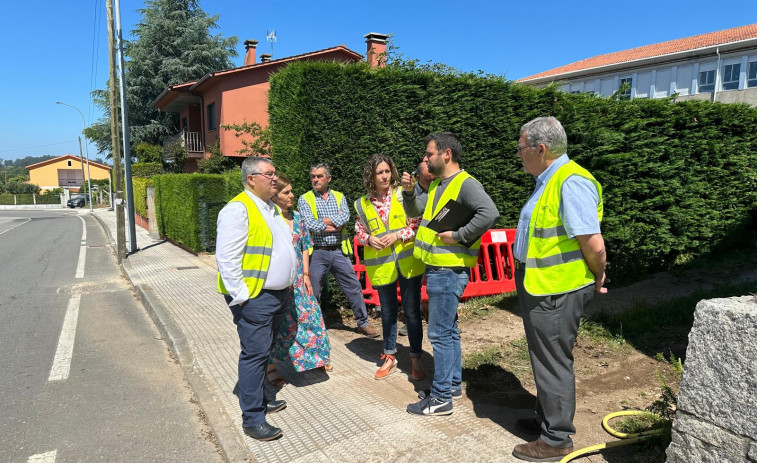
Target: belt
x: 519, y: 265
x: 327, y: 248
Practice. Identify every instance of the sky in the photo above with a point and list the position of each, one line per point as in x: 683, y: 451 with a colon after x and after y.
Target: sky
x: 57, y: 51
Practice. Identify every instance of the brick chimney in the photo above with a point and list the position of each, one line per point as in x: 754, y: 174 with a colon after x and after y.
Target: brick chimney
x: 375, y: 53
x: 265, y: 57
x: 249, y: 55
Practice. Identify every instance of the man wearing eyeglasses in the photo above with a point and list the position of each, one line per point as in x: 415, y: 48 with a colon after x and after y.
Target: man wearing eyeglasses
x: 559, y: 265
x: 448, y: 256
x: 325, y: 213
x: 251, y: 234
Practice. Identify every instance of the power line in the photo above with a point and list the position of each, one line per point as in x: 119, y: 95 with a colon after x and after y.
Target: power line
x: 35, y: 147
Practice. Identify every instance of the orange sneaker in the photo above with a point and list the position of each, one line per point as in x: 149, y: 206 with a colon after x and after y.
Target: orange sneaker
x: 416, y: 373
x: 389, y: 366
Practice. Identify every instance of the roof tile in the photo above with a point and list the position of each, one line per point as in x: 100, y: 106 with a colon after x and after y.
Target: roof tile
x: 657, y: 49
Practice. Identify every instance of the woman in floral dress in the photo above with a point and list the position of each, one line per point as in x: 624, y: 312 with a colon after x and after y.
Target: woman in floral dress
x: 302, y: 339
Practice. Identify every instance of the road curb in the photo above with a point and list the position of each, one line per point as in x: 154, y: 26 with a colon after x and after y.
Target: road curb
x: 232, y: 448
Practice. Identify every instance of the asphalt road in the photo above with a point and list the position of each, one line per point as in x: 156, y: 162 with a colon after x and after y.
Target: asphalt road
x: 84, y: 374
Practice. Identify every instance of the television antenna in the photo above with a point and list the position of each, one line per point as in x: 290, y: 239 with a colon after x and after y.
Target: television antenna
x: 270, y: 37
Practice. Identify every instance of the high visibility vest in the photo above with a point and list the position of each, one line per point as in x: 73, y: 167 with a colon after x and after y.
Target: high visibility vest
x: 382, y: 265
x: 432, y: 250
x: 554, y: 262
x: 257, y: 251
x: 310, y: 200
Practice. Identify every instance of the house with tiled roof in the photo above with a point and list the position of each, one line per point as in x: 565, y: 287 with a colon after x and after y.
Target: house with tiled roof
x: 235, y: 96
x: 68, y: 172
x: 718, y: 66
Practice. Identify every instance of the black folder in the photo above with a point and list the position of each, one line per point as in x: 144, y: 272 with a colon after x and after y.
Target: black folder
x: 451, y: 216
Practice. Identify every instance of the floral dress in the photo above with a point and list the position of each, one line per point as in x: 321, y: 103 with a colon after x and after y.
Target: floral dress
x: 302, y: 339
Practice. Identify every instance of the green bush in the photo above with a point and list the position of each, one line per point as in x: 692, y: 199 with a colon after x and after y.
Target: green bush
x: 139, y: 189
x: 187, y: 207
x: 48, y: 198
x: 6, y: 199
x: 24, y: 199
x: 146, y: 169
x: 678, y: 178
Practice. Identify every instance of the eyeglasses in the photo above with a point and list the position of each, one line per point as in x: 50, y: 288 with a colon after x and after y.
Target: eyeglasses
x: 268, y: 175
x: 521, y: 148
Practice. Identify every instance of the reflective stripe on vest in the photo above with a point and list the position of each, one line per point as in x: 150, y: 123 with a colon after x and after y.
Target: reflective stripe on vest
x: 554, y: 262
x: 432, y: 250
x: 381, y: 266
x: 310, y: 200
x: 258, y: 250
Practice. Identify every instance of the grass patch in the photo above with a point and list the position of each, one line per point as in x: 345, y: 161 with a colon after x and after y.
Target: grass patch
x: 480, y: 307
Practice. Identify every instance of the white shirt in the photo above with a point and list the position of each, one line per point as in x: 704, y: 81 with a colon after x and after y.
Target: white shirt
x: 231, y: 240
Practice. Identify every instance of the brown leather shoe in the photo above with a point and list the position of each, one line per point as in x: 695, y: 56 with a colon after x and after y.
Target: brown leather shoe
x: 389, y: 366
x: 539, y: 450
x: 367, y: 331
x: 416, y: 371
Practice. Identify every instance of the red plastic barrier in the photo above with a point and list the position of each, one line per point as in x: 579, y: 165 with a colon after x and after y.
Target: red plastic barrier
x: 492, y: 275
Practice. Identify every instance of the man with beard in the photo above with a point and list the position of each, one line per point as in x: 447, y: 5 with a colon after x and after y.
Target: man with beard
x: 448, y: 257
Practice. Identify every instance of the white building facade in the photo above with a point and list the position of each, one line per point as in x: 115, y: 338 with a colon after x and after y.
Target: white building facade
x: 719, y: 66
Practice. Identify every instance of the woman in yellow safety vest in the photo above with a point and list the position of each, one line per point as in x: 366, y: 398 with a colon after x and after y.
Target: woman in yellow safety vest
x: 388, y: 236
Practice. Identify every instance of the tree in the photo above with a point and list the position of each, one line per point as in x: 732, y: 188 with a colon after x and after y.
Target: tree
x: 146, y: 152
x: 260, y: 142
x: 173, y: 45
x: 217, y: 163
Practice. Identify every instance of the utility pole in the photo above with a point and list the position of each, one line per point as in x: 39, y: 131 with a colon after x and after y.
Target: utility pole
x: 115, y: 137
x: 125, y: 127
x: 83, y: 177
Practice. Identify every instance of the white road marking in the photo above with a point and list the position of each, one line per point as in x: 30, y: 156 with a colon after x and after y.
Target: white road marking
x: 11, y: 228
x: 47, y: 457
x: 82, y: 250
x: 64, y: 352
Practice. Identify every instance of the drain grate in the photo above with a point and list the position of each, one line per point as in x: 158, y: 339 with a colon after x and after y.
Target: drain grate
x: 187, y: 268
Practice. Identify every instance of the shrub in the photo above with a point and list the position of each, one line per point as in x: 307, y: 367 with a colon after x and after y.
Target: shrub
x: 139, y: 189
x: 187, y: 207
x: 146, y: 169
x: 217, y: 163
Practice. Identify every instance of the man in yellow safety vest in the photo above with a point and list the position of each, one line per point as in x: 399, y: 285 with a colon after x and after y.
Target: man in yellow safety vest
x: 252, y: 234
x: 325, y: 213
x: 559, y: 265
x: 448, y: 256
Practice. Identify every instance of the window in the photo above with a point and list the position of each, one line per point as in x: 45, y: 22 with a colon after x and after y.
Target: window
x: 69, y: 163
x: 624, y: 87
x: 184, y: 124
x: 752, y: 75
x: 731, y: 76
x: 212, y: 125
x: 706, y: 81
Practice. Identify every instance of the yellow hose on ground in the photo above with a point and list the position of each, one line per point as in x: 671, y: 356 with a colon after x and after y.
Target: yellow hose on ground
x: 628, y: 439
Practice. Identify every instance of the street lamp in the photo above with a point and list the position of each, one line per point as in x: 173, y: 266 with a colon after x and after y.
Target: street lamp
x: 86, y: 148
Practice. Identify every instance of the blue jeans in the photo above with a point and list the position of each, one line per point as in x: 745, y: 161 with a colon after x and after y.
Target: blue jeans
x: 411, y: 304
x: 258, y: 320
x: 445, y: 286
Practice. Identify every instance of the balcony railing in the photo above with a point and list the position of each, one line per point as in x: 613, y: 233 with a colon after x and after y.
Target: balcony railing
x: 189, y: 140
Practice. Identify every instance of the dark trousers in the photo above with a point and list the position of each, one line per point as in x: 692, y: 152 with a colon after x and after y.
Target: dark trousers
x: 257, y: 320
x: 551, y: 325
x: 325, y: 261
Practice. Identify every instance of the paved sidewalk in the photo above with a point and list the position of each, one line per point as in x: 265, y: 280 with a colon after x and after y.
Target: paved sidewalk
x: 343, y: 416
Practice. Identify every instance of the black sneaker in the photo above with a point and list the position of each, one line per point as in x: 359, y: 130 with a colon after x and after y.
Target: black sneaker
x: 457, y: 393
x: 430, y: 406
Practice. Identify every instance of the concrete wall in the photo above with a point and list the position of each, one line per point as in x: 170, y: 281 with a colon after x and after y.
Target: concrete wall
x: 716, y: 419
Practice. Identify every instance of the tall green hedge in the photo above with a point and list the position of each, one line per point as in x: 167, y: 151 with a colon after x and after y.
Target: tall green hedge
x: 187, y: 207
x: 678, y: 178
x: 139, y: 190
